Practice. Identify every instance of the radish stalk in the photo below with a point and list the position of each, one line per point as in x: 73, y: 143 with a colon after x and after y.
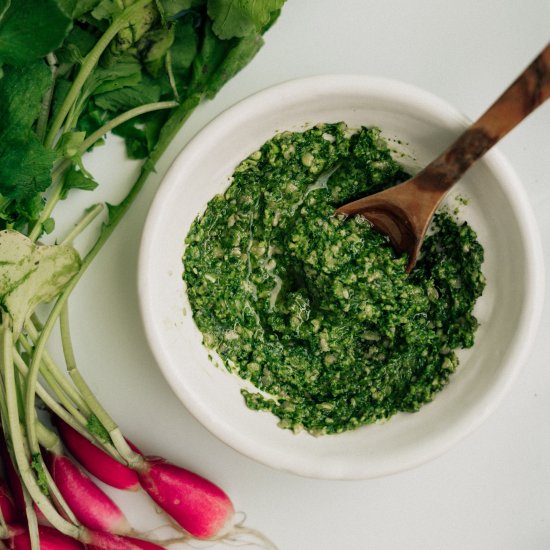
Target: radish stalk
x: 66, y: 411
x: 52, y: 375
x: 131, y: 457
x: 19, y: 452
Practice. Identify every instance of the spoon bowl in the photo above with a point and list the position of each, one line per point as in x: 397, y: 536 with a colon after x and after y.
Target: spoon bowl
x: 404, y: 212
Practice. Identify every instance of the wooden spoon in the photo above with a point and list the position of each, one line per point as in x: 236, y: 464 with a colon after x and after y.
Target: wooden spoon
x: 404, y: 212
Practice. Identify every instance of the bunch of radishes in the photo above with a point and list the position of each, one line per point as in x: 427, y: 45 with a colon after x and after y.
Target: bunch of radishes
x: 51, y: 501
x: 198, y: 508
x: 71, y: 72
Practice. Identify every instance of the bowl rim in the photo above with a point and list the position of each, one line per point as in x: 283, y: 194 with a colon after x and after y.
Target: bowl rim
x: 495, y: 161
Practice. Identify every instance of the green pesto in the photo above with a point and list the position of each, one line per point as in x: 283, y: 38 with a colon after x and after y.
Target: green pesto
x: 316, y: 310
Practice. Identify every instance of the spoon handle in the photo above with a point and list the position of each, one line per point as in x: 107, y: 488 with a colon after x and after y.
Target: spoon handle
x: 524, y: 95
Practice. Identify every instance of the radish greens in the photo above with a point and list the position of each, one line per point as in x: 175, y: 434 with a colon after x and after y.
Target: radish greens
x: 72, y: 71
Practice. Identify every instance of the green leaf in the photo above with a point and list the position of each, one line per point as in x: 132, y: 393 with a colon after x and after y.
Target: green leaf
x: 107, y: 9
x: 76, y: 46
x: 92, y: 119
x: 212, y: 53
x: 172, y: 8
x: 128, y: 98
x: 77, y: 179
x: 158, y: 43
x: 25, y: 167
x: 236, y: 59
x: 127, y: 71
x: 141, y: 22
x: 21, y: 92
x: 141, y: 134
x: 184, y: 48
x: 48, y: 226
x: 25, y: 164
x: 77, y: 8
x: 18, y: 215
x: 119, y: 82
x: 239, y: 18
x: 32, y: 274
x: 134, y: 139
x: 30, y: 30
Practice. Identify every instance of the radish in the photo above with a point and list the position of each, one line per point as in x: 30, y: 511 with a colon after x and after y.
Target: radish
x: 199, y: 506
x: 106, y: 541
x: 15, y: 492
x: 50, y: 539
x: 88, y: 502
x: 96, y: 461
x: 13, y: 481
x: 7, y: 506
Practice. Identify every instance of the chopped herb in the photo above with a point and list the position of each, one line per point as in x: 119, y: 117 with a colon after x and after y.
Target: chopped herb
x: 317, y: 310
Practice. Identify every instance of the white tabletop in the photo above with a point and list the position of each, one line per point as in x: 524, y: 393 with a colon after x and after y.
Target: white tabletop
x: 492, y: 490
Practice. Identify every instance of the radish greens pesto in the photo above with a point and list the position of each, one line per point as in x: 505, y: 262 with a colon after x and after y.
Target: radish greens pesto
x: 316, y: 310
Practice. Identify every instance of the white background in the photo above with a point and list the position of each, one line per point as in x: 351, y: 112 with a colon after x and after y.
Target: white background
x: 490, y: 491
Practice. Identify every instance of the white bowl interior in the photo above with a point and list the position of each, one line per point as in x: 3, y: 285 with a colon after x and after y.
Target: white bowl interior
x: 508, y: 310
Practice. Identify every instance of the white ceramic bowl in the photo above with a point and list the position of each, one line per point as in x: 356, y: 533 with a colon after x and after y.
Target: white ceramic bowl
x: 508, y: 311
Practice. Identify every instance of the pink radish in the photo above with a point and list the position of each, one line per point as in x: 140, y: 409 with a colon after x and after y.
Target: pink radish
x: 106, y: 541
x: 198, y: 505
x: 96, y: 461
x: 13, y: 480
x: 7, y: 507
x: 50, y: 539
x: 16, y: 490
x: 89, y: 503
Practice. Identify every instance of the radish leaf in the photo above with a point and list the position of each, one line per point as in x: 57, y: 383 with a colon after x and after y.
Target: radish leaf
x: 25, y: 163
x: 77, y: 179
x: 173, y: 8
x: 234, y: 61
x: 21, y: 91
x: 30, y: 29
x: 241, y: 17
x: 76, y: 8
x: 129, y: 97
x: 32, y: 274
x: 184, y: 48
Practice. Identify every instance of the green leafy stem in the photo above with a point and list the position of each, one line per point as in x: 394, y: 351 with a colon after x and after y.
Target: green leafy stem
x: 88, y: 66
x: 34, y: 273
